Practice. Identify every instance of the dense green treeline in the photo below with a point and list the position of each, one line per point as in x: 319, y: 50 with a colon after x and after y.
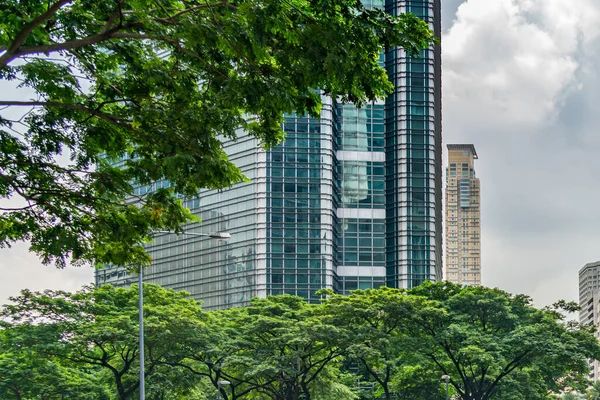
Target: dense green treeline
x: 385, y: 343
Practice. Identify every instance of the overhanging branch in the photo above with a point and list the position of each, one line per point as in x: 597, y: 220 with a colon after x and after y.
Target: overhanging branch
x: 12, y: 50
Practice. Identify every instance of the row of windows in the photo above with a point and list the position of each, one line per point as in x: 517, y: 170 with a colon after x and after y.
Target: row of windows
x: 295, y: 171
x: 296, y: 218
x: 365, y: 242
x: 301, y: 125
x: 353, y: 226
x: 290, y: 263
x: 300, y: 279
x: 299, y: 141
x: 294, y: 247
x: 309, y: 156
x: 292, y: 232
x: 366, y: 258
x: 292, y: 187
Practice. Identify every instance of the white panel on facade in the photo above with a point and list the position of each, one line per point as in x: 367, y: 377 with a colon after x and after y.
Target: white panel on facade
x: 361, y: 213
x: 374, y: 156
x: 361, y: 271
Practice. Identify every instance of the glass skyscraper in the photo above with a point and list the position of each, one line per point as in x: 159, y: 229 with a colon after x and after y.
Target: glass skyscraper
x: 352, y: 200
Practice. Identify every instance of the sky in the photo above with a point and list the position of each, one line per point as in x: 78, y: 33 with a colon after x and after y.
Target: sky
x: 520, y: 83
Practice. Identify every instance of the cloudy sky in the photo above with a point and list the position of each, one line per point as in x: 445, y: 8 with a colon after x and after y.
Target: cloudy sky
x: 520, y: 83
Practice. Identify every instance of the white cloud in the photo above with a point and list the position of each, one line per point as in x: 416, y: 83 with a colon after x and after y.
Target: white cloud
x: 520, y: 82
x: 509, y: 60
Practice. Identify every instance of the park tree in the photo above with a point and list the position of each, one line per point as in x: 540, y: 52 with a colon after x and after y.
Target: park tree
x: 382, y: 341
x: 593, y: 393
x: 26, y: 373
x: 497, y: 345
x: 119, y: 94
x: 280, y: 348
x: 97, y: 329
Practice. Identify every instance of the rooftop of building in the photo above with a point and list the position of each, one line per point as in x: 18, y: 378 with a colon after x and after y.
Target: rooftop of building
x: 468, y: 147
x: 588, y: 266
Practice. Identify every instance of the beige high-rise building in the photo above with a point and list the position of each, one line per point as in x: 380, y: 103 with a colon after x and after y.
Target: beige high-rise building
x: 463, y: 214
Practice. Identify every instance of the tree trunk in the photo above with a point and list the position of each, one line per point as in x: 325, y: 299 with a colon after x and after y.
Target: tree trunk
x: 120, y: 389
x: 305, y: 390
x: 386, y: 391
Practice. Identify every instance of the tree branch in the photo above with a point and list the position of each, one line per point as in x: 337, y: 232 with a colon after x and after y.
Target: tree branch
x: 118, y: 13
x: 12, y: 51
x: 77, y: 43
x: 70, y: 106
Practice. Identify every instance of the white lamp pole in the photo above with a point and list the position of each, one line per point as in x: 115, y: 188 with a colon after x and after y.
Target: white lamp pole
x: 446, y: 378
x: 141, y: 308
x: 216, y: 235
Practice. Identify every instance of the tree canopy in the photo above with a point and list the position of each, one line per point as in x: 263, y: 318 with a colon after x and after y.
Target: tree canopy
x: 496, y: 345
x: 122, y: 93
x: 372, y: 344
x: 96, y: 330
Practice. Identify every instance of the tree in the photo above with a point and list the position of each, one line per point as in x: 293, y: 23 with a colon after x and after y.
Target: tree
x: 593, y: 393
x: 131, y: 92
x: 97, y: 329
x: 572, y: 396
x: 496, y: 345
x: 280, y: 347
x: 27, y: 374
x: 382, y: 342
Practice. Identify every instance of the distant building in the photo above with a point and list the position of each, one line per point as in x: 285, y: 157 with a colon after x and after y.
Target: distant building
x: 589, y: 301
x: 463, y: 214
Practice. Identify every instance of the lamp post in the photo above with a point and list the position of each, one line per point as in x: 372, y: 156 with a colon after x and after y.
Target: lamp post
x: 216, y: 235
x: 219, y: 384
x: 446, y: 378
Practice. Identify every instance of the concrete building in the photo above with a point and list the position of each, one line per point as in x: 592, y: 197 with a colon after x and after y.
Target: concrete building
x: 589, y: 301
x: 351, y: 200
x: 463, y: 216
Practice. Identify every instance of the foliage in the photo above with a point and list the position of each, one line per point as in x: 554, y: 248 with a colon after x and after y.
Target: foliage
x: 492, y: 343
x: 156, y: 85
x: 372, y: 344
x: 382, y: 339
x: 593, y: 393
x: 26, y: 373
x: 97, y: 328
x: 279, y: 347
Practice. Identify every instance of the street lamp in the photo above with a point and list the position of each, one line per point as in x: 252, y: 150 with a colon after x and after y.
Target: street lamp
x: 219, y: 384
x: 446, y: 378
x: 216, y: 235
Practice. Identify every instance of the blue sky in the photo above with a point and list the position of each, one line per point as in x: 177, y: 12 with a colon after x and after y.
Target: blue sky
x: 521, y: 83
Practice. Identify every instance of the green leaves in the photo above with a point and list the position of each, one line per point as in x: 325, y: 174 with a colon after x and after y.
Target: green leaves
x: 129, y: 93
x: 386, y: 343
x: 487, y: 339
x: 96, y: 331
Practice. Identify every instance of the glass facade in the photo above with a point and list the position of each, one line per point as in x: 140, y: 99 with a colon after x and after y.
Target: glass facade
x: 352, y: 200
x: 297, y: 230
x: 218, y: 273
x: 413, y: 158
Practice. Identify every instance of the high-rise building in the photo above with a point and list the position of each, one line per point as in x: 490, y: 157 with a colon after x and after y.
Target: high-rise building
x: 589, y: 284
x: 350, y: 200
x: 463, y: 215
x: 589, y: 301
